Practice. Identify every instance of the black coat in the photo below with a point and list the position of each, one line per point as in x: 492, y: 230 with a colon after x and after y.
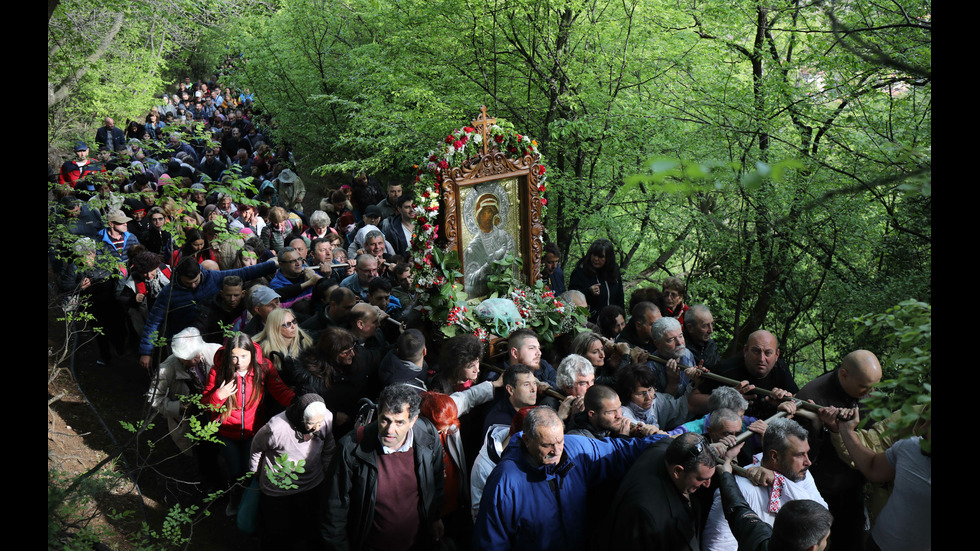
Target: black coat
x: 352, y: 480
x: 648, y: 511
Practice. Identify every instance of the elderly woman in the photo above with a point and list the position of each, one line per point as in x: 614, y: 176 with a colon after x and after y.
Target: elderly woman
x: 674, y: 293
x: 183, y: 374
x: 319, y: 226
x: 304, y: 432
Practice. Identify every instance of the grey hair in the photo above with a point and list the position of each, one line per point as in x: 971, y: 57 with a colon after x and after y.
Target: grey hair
x: 777, y: 435
x: 662, y: 326
x: 723, y: 415
x: 394, y: 398
x: 566, y: 297
x: 372, y: 235
x: 319, y: 219
x: 695, y: 311
x: 541, y: 416
x: 573, y: 365
x: 727, y: 397
x: 314, y: 410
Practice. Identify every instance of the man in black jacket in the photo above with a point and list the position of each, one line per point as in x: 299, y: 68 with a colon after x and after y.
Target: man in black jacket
x: 378, y: 471
x: 656, y: 506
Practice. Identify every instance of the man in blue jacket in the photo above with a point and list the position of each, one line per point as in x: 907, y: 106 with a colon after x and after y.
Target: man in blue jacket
x: 535, y: 498
x: 175, y: 307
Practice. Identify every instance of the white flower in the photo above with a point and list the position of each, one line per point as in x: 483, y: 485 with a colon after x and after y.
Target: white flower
x: 477, y: 138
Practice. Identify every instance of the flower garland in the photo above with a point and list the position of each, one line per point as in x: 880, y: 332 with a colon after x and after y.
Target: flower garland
x: 457, y: 147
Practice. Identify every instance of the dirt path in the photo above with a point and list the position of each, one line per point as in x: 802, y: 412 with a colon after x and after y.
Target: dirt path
x: 79, y: 440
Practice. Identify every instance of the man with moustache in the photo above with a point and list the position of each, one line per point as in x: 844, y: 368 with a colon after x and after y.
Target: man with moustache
x: 668, y: 336
x: 785, y: 454
x: 535, y: 499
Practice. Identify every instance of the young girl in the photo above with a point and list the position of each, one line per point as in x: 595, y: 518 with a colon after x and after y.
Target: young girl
x: 234, y: 389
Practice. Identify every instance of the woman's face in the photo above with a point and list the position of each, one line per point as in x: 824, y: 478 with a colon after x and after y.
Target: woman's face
x: 643, y: 396
x: 598, y: 260
x: 249, y: 260
x: 672, y: 298
x: 240, y: 358
x: 471, y: 370
x: 198, y: 245
x: 289, y: 327
x: 346, y: 356
x: 596, y: 354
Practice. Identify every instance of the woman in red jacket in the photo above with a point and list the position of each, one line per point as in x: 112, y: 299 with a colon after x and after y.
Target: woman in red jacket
x: 235, y: 388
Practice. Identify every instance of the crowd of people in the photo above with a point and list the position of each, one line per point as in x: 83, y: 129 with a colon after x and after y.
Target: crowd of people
x: 301, y: 337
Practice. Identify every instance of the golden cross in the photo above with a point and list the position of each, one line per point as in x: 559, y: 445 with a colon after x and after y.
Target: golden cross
x: 482, y: 125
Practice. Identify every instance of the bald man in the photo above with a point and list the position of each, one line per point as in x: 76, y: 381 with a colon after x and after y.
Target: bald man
x: 758, y: 366
x: 840, y: 485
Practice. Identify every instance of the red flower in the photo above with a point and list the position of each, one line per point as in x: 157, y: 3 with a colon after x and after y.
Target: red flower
x: 449, y: 139
x: 458, y: 145
x: 443, y: 164
x: 425, y: 194
x: 469, y: 129
x: 433, y: 158
x: 541, y: 168
x: 500, y: 139
x: 541, y: 188
x: 518, y: 137
x: 544, y: 201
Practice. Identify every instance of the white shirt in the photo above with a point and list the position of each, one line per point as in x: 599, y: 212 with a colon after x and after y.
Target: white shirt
x: 718, y: 535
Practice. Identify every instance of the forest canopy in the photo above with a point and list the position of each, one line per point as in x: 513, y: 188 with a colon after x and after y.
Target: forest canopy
x: 775, y: 156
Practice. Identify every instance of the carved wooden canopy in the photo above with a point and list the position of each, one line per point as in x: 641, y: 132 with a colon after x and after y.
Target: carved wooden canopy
x: 489, y: 166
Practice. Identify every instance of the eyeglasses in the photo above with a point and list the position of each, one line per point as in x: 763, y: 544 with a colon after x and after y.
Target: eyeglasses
x: 347, y: 351
x: 289, y: 324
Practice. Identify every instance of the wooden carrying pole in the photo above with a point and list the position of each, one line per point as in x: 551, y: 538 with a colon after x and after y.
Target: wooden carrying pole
x: 732, y: 382
x: 550, y: 392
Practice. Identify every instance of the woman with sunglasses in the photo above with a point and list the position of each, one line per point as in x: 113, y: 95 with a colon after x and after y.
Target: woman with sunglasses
x: 281, y: 339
